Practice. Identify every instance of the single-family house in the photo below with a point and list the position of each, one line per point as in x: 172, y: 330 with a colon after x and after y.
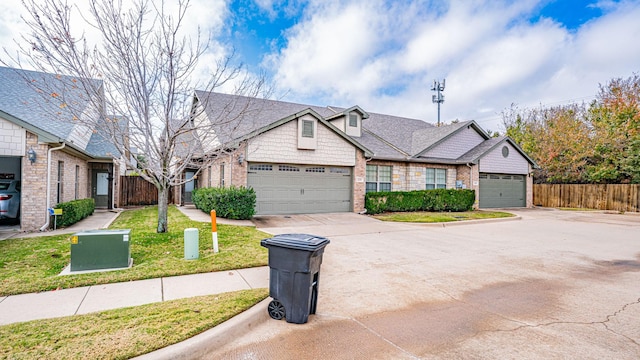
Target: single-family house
x: 311, y: 159
x: 56, y: 157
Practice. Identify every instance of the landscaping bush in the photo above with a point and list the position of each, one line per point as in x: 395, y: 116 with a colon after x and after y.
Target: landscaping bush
x: 230, y: 203
x: 74, y: 211
x: 421, y: 200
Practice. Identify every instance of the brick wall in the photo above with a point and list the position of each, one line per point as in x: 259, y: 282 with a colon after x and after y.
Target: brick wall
x: 470, y: 179
x: 33, y: 206
x: 69, y: 182
x: 359, y: 182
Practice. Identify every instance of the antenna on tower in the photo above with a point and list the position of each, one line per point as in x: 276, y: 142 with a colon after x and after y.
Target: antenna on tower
x: 438, y: 98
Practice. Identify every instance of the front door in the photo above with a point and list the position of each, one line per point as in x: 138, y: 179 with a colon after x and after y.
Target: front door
x: 100, y: 188
x: 189, y: 186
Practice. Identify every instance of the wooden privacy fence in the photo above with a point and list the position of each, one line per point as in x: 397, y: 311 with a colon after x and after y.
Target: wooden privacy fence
x: 136, y: 191
x: 618, y: 197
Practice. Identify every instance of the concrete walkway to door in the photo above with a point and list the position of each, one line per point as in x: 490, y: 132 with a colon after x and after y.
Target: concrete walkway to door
x: 553, y: 285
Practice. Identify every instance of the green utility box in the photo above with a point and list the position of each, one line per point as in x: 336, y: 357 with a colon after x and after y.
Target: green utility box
x: 100, y: 249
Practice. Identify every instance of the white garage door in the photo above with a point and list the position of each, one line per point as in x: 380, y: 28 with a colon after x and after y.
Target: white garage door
x: 300, y: 189
x: 499, y: 190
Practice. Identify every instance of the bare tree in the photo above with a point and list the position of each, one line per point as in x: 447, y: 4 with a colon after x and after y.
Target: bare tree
x: 146, y: 66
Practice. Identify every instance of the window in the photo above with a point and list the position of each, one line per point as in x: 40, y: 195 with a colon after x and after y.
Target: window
x: 378, y: 178
x: 260, y: 167
x: 77, y: 195
x: 307, y: 128
x: 222, y: 175
x: 436, y: 178
x: 60, y: 181
x: 505, y: 151
x: 353, y: 120
x: 288, y: 168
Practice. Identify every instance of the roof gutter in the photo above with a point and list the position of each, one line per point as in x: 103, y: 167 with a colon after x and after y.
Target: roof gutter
x: 46, y: 224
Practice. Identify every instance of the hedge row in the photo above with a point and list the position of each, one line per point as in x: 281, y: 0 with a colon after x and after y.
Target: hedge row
x: 230, y: 203
x: 421, y: 200
x: 74, y: 211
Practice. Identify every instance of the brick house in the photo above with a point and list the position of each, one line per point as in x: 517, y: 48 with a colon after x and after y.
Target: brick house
x: 68, y: 160
x: 310, y: 159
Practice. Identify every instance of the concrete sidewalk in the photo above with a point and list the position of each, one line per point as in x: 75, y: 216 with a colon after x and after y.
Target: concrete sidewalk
x: 75, y: 301
x: 83, y: 300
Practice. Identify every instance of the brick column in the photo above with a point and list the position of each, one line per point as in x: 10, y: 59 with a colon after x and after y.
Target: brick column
x: 33, y: 202
x: 359, y: 181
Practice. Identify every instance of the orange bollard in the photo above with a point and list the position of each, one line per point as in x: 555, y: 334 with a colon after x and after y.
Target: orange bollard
x: 214, y: 231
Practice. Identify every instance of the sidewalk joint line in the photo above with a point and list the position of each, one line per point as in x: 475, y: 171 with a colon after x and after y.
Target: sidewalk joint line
x: 82, y: 301
x: 245, y: 280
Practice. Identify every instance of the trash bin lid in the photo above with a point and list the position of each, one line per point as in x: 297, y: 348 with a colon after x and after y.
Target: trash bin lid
x: 297, y: 241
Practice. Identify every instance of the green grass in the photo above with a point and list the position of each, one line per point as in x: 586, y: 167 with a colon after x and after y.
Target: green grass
x: 122, y: 333
x: 33, y: 264
x: 434, y: 217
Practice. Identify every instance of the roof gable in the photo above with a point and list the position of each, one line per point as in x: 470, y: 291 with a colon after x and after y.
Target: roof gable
x: 238, y: 118
x: 52, y: 116
x: 425, y: 141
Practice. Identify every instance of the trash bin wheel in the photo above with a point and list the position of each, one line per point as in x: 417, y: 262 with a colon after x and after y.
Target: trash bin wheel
x: 276, y: 310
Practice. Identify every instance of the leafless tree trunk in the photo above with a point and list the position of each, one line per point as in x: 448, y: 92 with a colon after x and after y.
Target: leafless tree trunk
x: 146, y: 67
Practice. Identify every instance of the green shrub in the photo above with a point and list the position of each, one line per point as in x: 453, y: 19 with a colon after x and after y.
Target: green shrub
x: 421, y: 200
x: 74, y: 211
x: 230, y: 203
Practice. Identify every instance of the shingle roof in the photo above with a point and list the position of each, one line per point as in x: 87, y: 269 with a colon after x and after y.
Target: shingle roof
x: 22, y: 95
x: 235, y: 116
x: 424, y: 138
x: 396, y: 130
x: 388, y: 137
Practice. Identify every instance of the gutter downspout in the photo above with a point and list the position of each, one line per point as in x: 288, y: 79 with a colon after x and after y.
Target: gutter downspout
x: 46, y: 224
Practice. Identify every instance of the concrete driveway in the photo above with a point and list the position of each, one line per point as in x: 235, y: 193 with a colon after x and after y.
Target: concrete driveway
x: 553, y: 285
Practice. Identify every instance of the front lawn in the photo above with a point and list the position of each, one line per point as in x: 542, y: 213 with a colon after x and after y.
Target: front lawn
x: 434, y: 217
x: 33, y: 264
x: 123, y: 333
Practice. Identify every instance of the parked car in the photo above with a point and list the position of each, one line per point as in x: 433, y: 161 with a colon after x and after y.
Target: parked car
x: 9, y: 199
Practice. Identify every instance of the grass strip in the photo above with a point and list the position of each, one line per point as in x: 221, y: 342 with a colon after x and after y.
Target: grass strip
x: 34, y: 264
x: 123, y: 333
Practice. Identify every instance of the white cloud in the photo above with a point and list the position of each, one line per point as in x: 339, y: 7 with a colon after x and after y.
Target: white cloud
x: 384, y: 56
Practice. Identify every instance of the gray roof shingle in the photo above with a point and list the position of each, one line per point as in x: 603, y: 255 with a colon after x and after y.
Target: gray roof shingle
x: 50, y: 103
x: 388, y: 137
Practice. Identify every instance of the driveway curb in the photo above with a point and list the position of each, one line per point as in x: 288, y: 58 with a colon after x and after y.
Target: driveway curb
x: 211, y: 340
x: 465, y: 222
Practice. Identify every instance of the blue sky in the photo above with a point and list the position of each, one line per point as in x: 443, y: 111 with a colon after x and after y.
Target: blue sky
x: 383, y: 55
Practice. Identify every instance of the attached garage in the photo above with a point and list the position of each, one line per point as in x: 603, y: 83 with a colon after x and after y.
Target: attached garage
x: 300, y: 189
x: 502, y: 190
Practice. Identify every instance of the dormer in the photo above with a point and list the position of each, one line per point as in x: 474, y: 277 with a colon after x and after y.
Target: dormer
x: 349, y: 121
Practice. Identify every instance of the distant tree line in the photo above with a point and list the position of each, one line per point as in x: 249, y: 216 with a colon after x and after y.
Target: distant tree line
x: 594, y: 143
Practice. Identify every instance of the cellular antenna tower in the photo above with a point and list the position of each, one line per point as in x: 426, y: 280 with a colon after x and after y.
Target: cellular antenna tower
x: 438, y: 98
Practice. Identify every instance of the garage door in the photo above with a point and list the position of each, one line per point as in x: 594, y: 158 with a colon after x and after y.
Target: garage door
x: 300, y: 189
x: 499, y: 190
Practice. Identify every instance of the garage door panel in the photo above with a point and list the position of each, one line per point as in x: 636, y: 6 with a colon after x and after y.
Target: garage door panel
x: 294, y: 189
x: 498, y: 190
